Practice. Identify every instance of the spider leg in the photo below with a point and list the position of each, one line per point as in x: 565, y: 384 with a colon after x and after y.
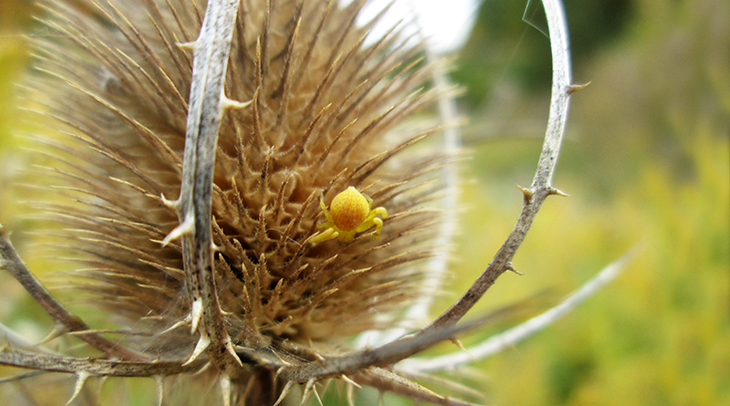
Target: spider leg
x: 325, y: 235
x: 370, y: 219
x: 378, y: 223
x: 378, y: 210
x: 326, y: 212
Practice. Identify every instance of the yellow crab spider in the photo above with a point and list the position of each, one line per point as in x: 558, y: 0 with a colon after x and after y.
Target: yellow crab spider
x: 350, y: 213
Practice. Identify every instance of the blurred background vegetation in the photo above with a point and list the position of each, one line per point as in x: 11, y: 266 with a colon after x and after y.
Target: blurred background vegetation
x: 646, y: 160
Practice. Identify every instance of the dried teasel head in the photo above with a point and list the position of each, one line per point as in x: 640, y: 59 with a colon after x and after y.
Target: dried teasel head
x: 328, y: 112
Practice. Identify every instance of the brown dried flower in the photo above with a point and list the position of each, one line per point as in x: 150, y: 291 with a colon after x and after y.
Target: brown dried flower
x: 324, y: 116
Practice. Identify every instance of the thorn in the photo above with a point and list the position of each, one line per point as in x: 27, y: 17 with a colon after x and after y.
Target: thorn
x: 58, y: 331
x: 307, y: 388
x: 80, y: 380
x: 282, y: 360
x: 232, y: 351
x: 227, y: 104
x: 511, y: 268
x: 284, y: 392
x: 202, y: 344
x: 574, y: 88
x: 187, y: 46
x: 187, y: 227
x: 159, y: 380
x: 278, y: 372
x: 173, y: 204
x: 196, y: 312
x: 226, y: 389
x: 458, y: 343
x: 319, y: 357
x: 555, y: 191
x: 351, y: 395
x: 350, y: 381
x: 182, y: 322
x: 527, y: 192
x: 216, y: 248
x: 208, y: 365
x: 316, y: 394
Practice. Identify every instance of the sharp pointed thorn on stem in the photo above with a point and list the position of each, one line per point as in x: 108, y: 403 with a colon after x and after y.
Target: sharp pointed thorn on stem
x: 458, y: 343
x: 223, y: 312
x: 187, y: 46
x: 196, y: 312
x: 526, y: 192
x: 351, y: 395
x: 225, y: 382
x: 350, y: 381
x: 228, y: 104
x: 187, y: 227
x: 180, y: 323
x: 208, y: 365
x: 232, y: 351
x: 58, y: 331
x: 558, y: 192
x: 216, y: 248
x: 316, y: 394
x: 284, y: 392
x: 80, y: 380
x: 283, y: 361
x: 278, y: 372
x: 201, y: 346
x: 159, y: 380
x: 173, y: 204
x: 319, y: 357
x: 307, y: 389
x: 511, y: 268
x: 574, y: 88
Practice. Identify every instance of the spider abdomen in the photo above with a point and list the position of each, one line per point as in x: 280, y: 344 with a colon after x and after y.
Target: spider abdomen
x: 349, y: 209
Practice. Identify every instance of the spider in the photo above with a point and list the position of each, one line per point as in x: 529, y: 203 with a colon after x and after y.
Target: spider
x: 350, y: 213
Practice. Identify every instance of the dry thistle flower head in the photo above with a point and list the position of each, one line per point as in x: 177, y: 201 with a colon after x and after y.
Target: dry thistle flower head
x: 326, y: 116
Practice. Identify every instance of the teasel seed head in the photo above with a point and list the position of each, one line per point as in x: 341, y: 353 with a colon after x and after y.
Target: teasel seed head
x: 328, y: 112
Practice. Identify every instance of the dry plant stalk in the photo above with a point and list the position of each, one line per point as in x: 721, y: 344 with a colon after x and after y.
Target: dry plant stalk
x: 197, y: 143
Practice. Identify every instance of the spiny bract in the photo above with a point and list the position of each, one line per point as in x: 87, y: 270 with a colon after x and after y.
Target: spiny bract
x: 328, y: 112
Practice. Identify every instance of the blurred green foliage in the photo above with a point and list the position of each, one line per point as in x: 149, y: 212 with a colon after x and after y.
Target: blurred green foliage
x: 647, y: 160
x: 500, y: 35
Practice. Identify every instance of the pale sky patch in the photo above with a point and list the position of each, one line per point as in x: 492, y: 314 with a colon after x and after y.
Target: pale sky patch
x: 446, y: 24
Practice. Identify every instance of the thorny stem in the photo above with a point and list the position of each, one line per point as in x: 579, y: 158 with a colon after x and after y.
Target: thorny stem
x: 93, y: 366
x: 65, y: 320
x: 541, y: 185
x: 207, y: 104
x: 387, y: 354
x: 514, y: 335
x: 391, y: 383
